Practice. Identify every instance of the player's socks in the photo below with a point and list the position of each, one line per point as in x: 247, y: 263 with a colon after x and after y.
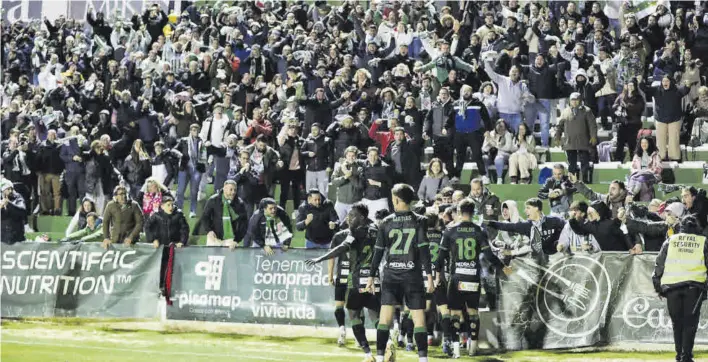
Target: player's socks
x: 421, y: 340
x: 360, y: 335
x: 339, y: 315
x: 446, y: 327
x: 455, y: 328
x: 474, y: 334
x: 382, y: 334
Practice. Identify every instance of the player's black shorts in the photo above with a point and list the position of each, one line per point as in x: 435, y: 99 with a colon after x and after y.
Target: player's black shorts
x: 462, y: 300
x: 359, y: 301
x: 394, y: 293
x: 440, y: 294
x: 340, y: 292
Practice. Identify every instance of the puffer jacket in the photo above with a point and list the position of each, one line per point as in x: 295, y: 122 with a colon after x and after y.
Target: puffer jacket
x: 321, y: 146
x: 345, y: 137
x: 349, y: 190
x: 167, y: 228
x: 318, y: 230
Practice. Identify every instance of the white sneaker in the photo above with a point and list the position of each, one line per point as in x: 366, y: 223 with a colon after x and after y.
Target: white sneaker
x: 456, y: 350
x: 28, y: 229
x: 472, y: 348
x: 342, y: 336
x: 201, y: 195
x: 500, y: 181
x: 485, y: 180
x: 295, y: 215
x: 192, y: 215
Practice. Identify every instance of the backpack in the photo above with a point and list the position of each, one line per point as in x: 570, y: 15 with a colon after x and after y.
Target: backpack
x: 544, y: 175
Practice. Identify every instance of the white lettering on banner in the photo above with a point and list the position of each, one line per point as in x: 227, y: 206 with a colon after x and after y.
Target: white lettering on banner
x: 50, y: 284
x: 279, y: 288
x: 55, y: 259
x: 638, y: 313
x: 207, y: 300
x: 211, y: 270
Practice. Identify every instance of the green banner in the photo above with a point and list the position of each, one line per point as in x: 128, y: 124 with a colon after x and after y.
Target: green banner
x: 246, y: 286
x: 79, y: 280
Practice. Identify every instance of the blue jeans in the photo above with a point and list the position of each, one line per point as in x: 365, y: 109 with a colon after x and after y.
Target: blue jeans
x: 541, y: 109
x: 193, y: 177
x: 513, y: 120
x: 312, y: 245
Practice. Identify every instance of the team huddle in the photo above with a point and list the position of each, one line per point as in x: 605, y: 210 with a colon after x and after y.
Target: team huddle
x: 426, y: 263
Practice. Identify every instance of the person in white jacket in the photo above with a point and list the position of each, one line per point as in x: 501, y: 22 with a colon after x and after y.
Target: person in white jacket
x: 571, y: 243
x: 510, y: 245
x: 503, y: 141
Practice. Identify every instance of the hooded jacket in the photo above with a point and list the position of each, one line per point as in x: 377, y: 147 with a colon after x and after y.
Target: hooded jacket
x: 587, y: 90
x: 577, y: 128
x: 516, y: 243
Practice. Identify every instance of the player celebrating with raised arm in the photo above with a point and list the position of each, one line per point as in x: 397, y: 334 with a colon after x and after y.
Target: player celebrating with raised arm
x: 461, y: 246
x: 358, y: 240
x: 403, y: 236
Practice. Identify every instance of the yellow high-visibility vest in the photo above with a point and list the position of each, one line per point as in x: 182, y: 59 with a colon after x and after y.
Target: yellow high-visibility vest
x: 684, y: 260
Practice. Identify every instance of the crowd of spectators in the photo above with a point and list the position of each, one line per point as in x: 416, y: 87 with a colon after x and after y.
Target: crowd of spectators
x: 118, y: 116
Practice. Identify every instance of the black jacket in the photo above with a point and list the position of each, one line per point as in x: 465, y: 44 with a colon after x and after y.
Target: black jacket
x: 212, y: 220
x: 291, y: 145
x: 12, y: 220
x: 553, y: 184
x: 654, y: 232
x: 318, y: 230
x: 322, y: 147
x: 378, y: 172
x: 441, y: 116
x: 167, y: 228
x: 410, y: 158
x: 319, y: 112
x: 607, y: 232
x: 551, y: 228
x: 345, y: 137
x: 183, y: 148
x: 257, y: 227
x: 49, y: 159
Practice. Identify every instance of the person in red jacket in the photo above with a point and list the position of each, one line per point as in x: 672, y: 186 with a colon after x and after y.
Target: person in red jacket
x: 383, y: 138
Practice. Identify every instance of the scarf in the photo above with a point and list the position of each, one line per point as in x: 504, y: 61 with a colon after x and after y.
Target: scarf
x: 151, y: 203
x: 257, y: 65
x: 228, y: 216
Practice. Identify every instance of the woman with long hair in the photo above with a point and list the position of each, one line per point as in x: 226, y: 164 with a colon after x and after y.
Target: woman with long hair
x: 100, y: 175
x: 628, y: 108
x: 434, y: 180
x: 645, y: 171
x: 78, y: 222
x: 136, y: 168
x: 151, y: 196
x: 499, y: 145
x: 524, y: 159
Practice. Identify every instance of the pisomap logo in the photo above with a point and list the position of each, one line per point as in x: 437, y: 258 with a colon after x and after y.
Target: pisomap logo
x: 212, y: 271
x: 43, y: 272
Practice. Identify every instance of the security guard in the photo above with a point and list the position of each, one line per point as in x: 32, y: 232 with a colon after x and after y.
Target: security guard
x: 680, y: 277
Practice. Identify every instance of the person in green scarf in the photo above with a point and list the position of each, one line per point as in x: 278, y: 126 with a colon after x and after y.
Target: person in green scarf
x: 224, y: 217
